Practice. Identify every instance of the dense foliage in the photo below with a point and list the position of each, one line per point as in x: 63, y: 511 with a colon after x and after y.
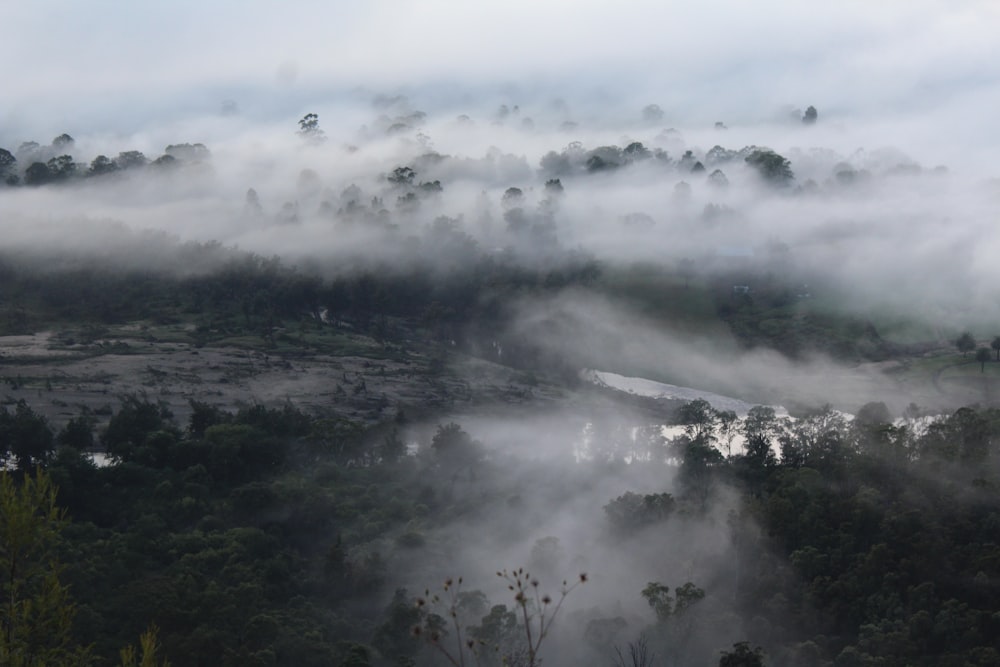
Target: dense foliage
x: 269, y: 535
x: 248, y: 540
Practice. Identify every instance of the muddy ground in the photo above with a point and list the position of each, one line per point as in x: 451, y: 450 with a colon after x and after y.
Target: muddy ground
x: 60, y: 380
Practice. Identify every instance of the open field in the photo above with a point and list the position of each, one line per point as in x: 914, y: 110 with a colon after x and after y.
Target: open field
x: 355, y: 377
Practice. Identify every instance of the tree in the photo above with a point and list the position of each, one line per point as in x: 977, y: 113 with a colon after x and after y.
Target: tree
x: 132, y: 424
x: 37, y: 173
x: 630, y: 511
x: 538, y: 612
x: 667, y: 606
x: 392, y: 448
x: 512, y: 198
x: 996, y: 346
x: 810, y: 116
x: 132, y: 159
x: 639, y: 654
x: 7, y: 165
x: 556, y: 164
x: 63, y: 142
x: 636, y: 151
x: 101, y: 165
x: 965, y: 343
x: 36, y: 613
x: 982, y: 356
x: 599, y: 162
x: 873, y: 413
x: 718, y: 179
x: 309, y: 129
x: 699, y: 419
x: 401, y: 176
x: 395, y: 638
x: 251, y: 204
x: 61, y: 168
x: 78, y: 433
x: 149, y: 646
x: 742, y: 656
x: 772, y: 167
x: 204, y: 415
x: 27, y: 436
x: 356, y: 655
x: 514, y: 636
x: 165, y: 162
x: 454, y: 447
x: 29, y: 151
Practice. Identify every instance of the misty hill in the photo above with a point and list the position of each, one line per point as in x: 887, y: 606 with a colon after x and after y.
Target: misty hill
x: 292, y: 381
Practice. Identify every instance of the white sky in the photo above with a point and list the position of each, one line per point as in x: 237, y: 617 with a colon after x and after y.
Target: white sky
x: 108, y: 62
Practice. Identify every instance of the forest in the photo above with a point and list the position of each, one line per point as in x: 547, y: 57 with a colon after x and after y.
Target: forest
x: 387, y: 401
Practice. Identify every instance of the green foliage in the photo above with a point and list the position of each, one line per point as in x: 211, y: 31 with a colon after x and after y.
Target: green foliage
x: 394, y: 638
x: 37, y: 173
x: 742, y: 656
x: 146, y: 656
x: 965, y: 343
x: 204, y: 415
x: 254, y: 538
x: 632, y: 510
x: 355, y: 655
x: 36, y: 613
x: 982, y: 356
x: 454, y: 447
x: 773, y: 168
x: 130, y: 160
x: 78, y: 433
x: 402, y: 176
x: 309, y: 129
x: 102, y: 165
x: 128, y: 430
x: 699, y: 419
x: 668, y: 606
x: 26, y: 437
x: 8, y: 163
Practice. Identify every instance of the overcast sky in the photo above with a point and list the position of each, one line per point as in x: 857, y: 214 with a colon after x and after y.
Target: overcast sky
x: 114, y: 64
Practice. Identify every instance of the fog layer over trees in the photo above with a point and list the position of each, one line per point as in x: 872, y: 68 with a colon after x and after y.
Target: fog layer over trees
x: 483, y: 349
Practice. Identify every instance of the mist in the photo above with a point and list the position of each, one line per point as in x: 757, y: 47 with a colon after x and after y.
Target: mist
x: 550, y: 140
x: 869, y: 219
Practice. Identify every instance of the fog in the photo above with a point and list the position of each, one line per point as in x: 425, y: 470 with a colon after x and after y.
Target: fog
x: 891, y: 209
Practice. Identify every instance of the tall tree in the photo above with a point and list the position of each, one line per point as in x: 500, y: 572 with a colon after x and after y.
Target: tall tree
x: 26, y: 437
x: 61, y: 168
x: 36, y: 613
x: 309, y: 129
x: 773, y: 168
x: 982, y: 356
x: 145, y: 656
x: 131, y: 160
x: 37, y: 173
x: 742, y: 656
x: 965, y: 343
x: 7, y: 166
x: 101, y: 165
